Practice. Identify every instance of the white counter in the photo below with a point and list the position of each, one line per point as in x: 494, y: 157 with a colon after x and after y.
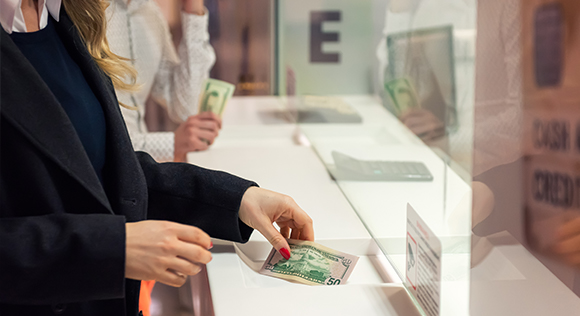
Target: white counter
x: 260, y: 142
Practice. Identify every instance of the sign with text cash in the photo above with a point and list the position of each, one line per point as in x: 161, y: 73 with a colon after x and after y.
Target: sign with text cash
x: 551, y: 122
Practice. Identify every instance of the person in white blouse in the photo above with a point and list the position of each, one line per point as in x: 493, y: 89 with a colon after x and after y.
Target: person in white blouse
x: 173, y: 78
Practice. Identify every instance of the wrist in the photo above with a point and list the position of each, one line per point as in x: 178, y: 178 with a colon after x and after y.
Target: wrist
x: 246, y: 205
x: 193, y: 7
x: 179, y: 157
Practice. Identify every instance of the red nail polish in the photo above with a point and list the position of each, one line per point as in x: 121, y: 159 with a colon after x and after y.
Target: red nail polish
x: 285, y: 253
x: 210, y: 245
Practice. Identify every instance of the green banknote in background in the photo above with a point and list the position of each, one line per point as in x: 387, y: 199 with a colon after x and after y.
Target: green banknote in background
x: 215, y: 96
x: 310, y: 263
x: 402, y: 94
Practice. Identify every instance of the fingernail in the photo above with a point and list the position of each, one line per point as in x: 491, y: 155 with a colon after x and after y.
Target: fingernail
x: 210, y: 245
x: 285, y: 253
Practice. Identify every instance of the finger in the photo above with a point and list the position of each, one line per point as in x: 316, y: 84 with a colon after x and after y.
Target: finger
x: 403, y: 118
x: 574, y: 259
x: 569, y: 229
x: 295, y: 234
x: 567, y: 246
x: 302, y: 232
x: 207, y: 135
x: 302, y: 222
x: 427, y: 130
x: 194, y: 253
x: 432, y: 134
x: 571, y: 259
x: 275, y: 239
x: 171, y: 278
x: 209, y: 115
x: 202, y: 144
x: 285, y: 232
x: 215, y: 118
x: 197, y: 144
x: 192, y: 234
x: 184, y: 267
x: 408, y: 113
x: 425, y: 123
x: 210, y: 125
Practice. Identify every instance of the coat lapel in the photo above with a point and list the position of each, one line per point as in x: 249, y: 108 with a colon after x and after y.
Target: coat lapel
x: 122, y: 175
x: 40, y: 117
x: 42, y: 120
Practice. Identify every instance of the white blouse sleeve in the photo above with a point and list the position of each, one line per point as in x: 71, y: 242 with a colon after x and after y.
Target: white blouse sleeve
x: 179, y: 80
x: 158, y: 144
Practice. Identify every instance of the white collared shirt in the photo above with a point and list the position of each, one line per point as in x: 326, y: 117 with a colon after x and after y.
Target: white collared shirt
x: 12, y: 18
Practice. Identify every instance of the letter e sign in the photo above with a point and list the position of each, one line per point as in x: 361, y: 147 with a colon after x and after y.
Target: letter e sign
x: 318, y: 37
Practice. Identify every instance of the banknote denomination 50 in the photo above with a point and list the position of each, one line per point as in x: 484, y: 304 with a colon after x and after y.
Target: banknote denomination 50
x: 310, y: 263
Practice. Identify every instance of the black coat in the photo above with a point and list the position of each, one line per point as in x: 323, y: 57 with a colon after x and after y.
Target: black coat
x: 62, y: 233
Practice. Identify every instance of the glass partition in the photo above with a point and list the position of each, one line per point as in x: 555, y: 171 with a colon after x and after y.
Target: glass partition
x: 384, y: 93
x: 450, y: 128
x: 525, y: 159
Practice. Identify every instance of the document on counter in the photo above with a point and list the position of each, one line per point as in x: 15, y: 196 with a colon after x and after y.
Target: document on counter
x: 423, y: 270
x: 310, y: 263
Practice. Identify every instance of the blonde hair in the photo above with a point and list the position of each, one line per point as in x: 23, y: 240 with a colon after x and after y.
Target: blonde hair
x: 90, y: 19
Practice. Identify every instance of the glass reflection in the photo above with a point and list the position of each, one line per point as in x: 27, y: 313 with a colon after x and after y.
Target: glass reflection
x: 519, y: 54
x: 434, y: 53
x: 394, y: 149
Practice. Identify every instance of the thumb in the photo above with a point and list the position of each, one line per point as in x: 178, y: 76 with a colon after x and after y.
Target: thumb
x: 276, y: 239
x: 208, y: 115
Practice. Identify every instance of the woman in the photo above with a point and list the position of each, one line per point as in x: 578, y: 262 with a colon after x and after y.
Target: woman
x: 74, y: 197
x: 137, y: 30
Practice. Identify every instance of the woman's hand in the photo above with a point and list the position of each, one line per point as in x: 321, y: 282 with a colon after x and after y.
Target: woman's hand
x: 193, y: 7
x: 197, y: 133
x: 567, y: 247
x: 424, y: 124
x: 165, y: 251
x: 260, y: 208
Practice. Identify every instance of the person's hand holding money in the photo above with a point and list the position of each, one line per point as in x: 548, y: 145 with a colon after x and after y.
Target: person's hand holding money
x: 260, y: 208
x: 197, y: 133
x: 423, y: 123
x: 567, y: 247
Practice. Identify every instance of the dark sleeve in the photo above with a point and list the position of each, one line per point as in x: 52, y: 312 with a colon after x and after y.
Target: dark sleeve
x: 62, y: 258
x: 207, y: 199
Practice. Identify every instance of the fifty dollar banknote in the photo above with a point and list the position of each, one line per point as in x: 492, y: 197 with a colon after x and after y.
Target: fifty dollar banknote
x: 215, y: 96
x: 310, y: 263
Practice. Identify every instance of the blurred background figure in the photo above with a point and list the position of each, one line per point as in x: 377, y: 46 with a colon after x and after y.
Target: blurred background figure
x: 170, y: 73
